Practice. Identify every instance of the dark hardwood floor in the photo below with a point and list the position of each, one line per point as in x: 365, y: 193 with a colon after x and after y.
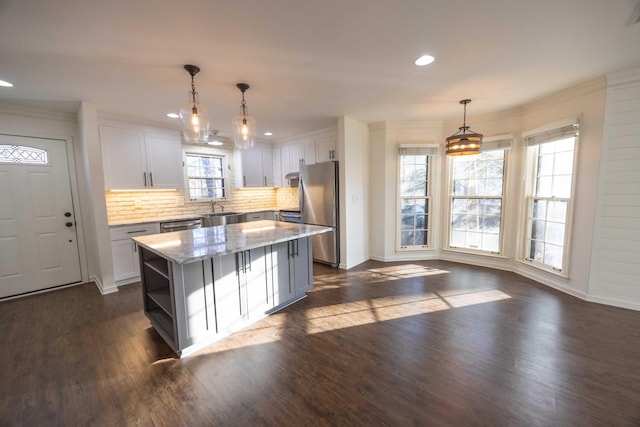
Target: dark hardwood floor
x: 398, y: 344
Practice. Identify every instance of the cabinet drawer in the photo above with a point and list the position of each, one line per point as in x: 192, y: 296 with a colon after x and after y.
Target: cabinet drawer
x: 129, y: 231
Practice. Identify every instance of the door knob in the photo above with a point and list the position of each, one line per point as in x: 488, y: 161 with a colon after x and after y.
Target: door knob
x: 69, y: 224
x: 67, y: 214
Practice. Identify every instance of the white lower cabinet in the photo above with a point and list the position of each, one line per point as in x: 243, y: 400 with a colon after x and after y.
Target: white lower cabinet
x: 214, y: 297
x: 126, y: 265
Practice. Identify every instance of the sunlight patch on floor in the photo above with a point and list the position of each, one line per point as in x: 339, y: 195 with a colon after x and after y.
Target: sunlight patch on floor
x: 406, y: 271
x: 339, y: 316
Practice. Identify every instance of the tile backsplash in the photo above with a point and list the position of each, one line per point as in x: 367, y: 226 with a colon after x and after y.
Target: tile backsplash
x: 133, y: 206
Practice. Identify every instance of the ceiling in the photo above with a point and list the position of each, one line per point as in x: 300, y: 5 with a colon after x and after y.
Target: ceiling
x: 308, y: 62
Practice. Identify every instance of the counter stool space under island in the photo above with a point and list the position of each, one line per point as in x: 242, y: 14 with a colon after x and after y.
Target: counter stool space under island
x: 203, y: 284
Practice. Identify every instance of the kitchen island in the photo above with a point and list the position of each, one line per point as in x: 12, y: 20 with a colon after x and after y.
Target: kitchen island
x: 203, y: 284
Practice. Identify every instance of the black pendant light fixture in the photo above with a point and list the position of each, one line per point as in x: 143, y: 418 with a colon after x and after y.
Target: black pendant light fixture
x: 194, y: 116
x: 244, y: 132
x: 465, y: 141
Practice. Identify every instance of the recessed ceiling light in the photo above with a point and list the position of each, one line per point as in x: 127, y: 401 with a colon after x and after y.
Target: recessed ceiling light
x: 5, y: 84
x: 268, y: 134
x: 216, y: 142
x: 173, y: 116
x: 424, y: 60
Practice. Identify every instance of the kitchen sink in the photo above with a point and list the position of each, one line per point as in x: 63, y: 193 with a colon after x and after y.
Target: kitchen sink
x: 221, y: 214
x: 222, y: 218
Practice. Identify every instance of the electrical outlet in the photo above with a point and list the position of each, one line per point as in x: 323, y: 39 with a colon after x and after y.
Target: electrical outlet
x: 137, y: 203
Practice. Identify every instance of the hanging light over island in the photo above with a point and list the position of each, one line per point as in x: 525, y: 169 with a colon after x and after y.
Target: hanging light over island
x: 194, y: 116
x: 244, y: 126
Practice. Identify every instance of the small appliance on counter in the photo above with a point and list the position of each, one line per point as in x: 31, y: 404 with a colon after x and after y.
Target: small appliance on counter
x: 319, y: 206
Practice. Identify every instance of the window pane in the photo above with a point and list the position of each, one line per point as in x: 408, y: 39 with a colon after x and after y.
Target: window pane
x: 555, y: 233
x: 562, y: 186
x: 459, y: 205
x: 557, y: 211
x: 491, y: 224
x: 491, y: 242
x: 553, y: 181
x: 539, y: 209
x: 479, y: 181
x: 407, y: 238
x: 553, y: 256
x: 536, y: 250
x: 414, y: 190
x: 537, y: 230
x: 545, y: 165
x: 543, y: 186
x: 563, y: 163
x: 493, y: 187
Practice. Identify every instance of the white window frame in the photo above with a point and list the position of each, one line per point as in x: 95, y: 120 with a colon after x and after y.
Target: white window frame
x: 225, y: 174
x: 548, y: 133
x: 416, y: 149
x: 494, y: 143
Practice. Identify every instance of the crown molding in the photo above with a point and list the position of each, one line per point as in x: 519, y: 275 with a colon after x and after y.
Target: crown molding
x: 37, y: 113
x: 623, y: 77
x: 582, y: 89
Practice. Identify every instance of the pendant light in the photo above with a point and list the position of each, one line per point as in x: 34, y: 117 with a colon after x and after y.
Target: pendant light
x: 244, y: 132
x: 462, y: 143
x: 194, y: 116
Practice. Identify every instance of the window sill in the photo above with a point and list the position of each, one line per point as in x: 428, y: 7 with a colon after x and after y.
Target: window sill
x: 472, y: 252
x: 543, y: 268
x: 415, y: 248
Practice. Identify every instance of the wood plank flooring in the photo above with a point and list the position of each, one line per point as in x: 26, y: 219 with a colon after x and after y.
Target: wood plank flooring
x: 385, y: 344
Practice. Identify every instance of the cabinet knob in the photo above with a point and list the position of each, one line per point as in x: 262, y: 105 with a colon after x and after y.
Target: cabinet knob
x: 69, y: 224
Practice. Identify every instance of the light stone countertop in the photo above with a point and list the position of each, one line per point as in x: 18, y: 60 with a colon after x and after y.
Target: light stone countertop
x: 148, y: 220
x: 187, y: 246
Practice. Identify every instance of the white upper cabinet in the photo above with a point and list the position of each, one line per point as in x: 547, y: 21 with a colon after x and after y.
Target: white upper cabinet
x: 254, y: 167
x: 134, y: 159
x: 321, y: 147
x: 326, y: 149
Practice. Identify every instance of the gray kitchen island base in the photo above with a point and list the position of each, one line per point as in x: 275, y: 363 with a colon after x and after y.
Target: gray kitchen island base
x: 194, y: 304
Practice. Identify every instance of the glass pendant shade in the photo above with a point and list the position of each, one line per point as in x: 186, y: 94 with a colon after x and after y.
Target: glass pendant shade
x: 244, y: 131
x: 244, y: 126
x: 194, y: 116
x: 464, y: 142
x: 195, y: 121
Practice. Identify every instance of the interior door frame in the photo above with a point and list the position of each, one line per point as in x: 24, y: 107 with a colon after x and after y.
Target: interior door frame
x: 75, y: 200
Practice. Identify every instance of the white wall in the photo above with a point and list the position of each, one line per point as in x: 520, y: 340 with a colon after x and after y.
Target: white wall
x: 615, y: 268
x: 97, y: 229
x: 353, y: 152
x: 385, y: 138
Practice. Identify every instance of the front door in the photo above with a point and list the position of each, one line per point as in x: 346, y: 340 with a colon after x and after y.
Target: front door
x: 38, y: 239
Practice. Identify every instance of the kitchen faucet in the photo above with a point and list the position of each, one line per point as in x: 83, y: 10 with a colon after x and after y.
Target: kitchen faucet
x: 214, y: 204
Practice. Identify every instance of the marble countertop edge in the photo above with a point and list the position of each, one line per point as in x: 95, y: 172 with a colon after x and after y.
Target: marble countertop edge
x: 182, y: 247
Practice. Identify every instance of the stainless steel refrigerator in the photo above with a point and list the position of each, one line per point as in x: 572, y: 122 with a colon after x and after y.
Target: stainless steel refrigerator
x: 319, y: 206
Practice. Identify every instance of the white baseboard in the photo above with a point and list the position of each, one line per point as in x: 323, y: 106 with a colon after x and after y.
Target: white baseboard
x: 101, y: 288
x: 614, y: 302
